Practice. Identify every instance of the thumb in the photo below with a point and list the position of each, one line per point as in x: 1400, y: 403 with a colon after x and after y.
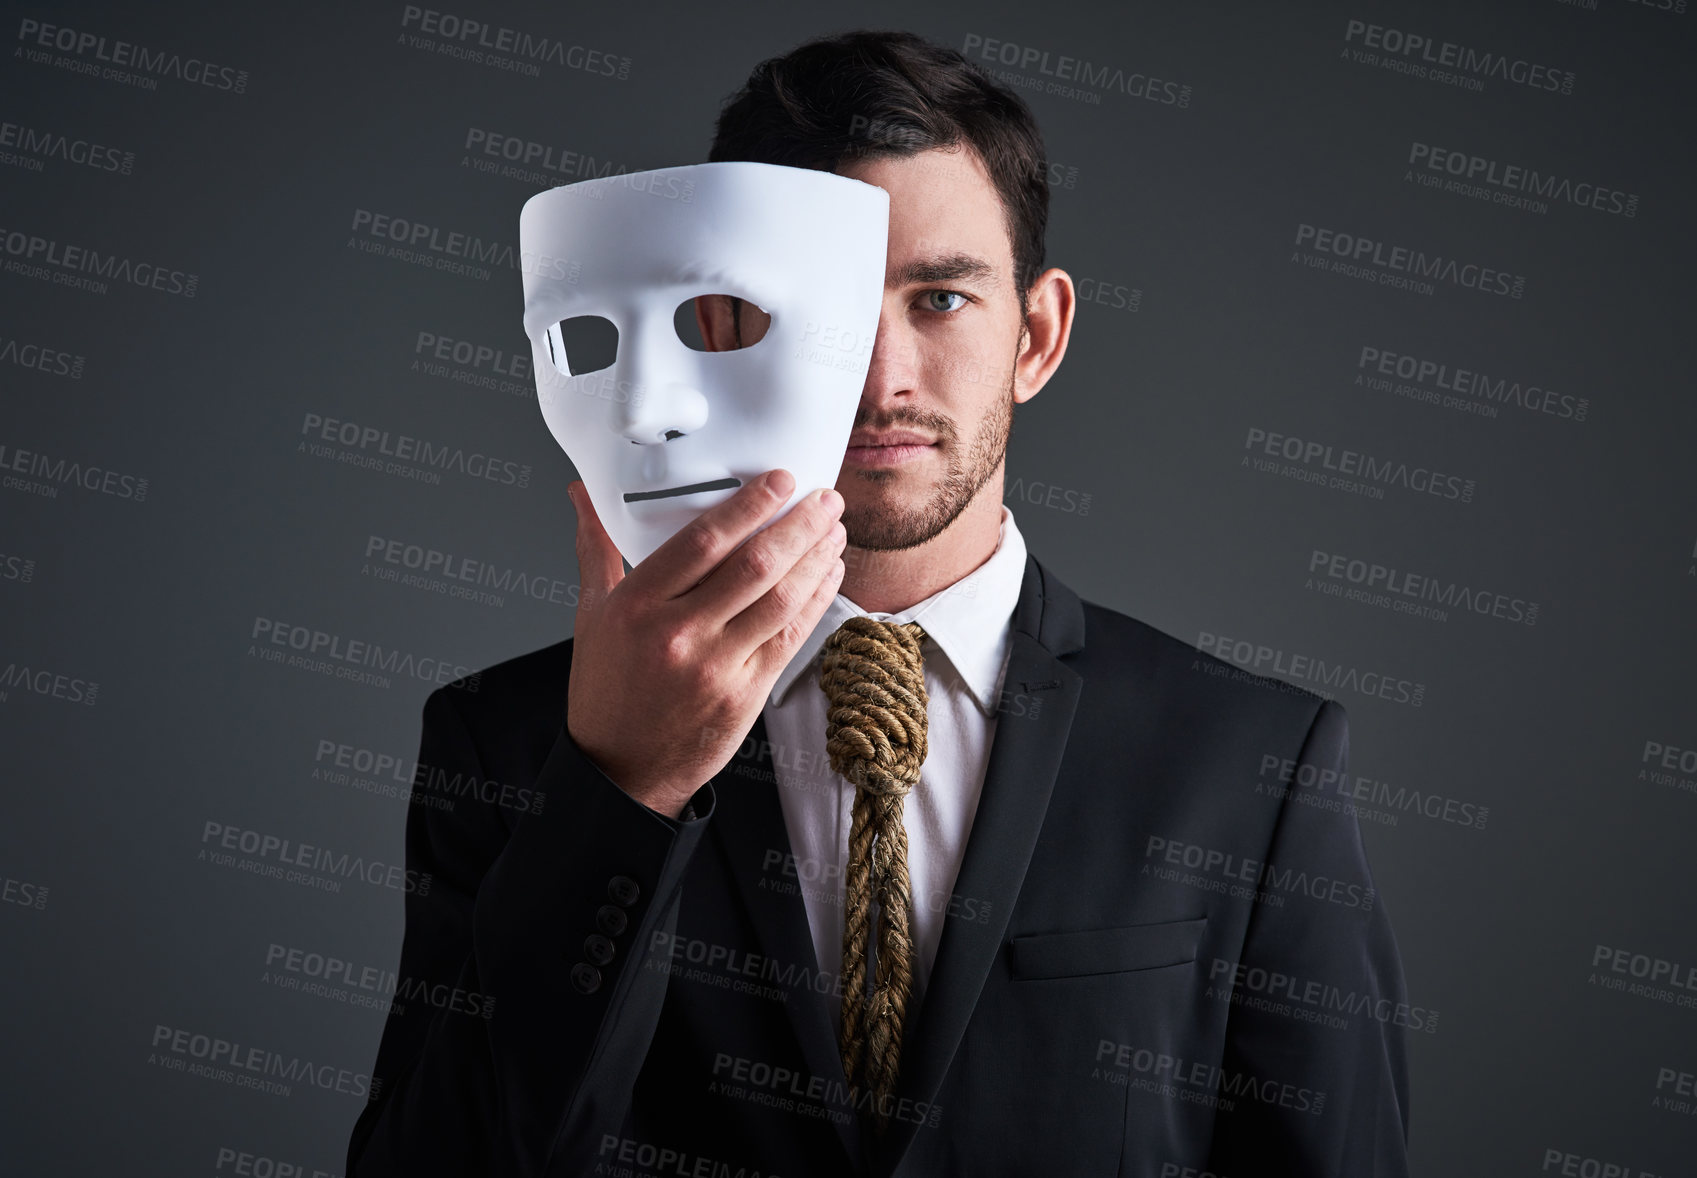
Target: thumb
x: 599, y: 565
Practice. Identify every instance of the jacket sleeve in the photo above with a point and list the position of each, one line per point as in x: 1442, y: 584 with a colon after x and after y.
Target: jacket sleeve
x: 1314, y: 1068
x: 522, y: 943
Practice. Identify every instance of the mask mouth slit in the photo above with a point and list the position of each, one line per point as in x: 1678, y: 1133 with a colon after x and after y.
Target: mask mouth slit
x: 691, y: 489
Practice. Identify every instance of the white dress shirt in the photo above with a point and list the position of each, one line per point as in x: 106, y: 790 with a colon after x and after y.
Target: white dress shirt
x: 967, y: 628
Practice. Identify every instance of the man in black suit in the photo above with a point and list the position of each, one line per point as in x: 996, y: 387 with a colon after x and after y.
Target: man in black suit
x: 1158, y: 957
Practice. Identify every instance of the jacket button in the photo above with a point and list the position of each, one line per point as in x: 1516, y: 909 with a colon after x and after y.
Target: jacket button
x: 598, y: 948
x: 586, y: 977
x: 624, y: 890
x: 611, y: 920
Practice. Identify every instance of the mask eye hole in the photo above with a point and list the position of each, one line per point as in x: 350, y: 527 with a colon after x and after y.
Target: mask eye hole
x: 583, y: 343
x: 734, y: 323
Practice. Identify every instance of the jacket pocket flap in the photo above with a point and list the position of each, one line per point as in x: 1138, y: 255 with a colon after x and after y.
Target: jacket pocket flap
x: 1106, y: 950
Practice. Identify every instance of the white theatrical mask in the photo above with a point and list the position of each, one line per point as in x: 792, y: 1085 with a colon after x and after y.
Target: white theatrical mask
x: 806, y: 246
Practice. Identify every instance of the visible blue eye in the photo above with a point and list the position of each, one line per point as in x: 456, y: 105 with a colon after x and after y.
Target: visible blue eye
x: 931, y: 295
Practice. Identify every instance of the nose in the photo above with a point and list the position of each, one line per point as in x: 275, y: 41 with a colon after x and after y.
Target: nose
x: 892, y: 372
x: 660, y: 400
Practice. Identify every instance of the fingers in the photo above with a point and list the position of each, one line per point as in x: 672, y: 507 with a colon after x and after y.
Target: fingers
x: 749, y: 573
x: 679, y: 564
x: 778, y: 628
x: 599, y: 565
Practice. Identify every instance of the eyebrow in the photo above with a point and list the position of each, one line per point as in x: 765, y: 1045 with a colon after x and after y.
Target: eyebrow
x: 940, y: 268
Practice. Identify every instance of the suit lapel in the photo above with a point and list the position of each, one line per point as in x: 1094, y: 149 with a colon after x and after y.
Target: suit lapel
x: 749, y: 822
x: 1025, y: 756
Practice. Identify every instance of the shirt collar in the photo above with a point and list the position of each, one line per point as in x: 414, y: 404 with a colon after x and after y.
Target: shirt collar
x: 967, y: 621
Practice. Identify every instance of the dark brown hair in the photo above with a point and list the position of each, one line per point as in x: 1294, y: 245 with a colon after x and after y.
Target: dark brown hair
x: 873, y: 93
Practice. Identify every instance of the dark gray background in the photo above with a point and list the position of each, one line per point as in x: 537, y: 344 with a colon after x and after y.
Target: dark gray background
x: 1194, y: 208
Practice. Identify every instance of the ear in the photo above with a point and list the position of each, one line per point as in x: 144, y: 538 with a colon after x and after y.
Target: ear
x: 715, y: 319
x: 1052, y: 302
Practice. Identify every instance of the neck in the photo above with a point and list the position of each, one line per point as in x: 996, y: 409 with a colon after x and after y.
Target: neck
x: 887, y: 582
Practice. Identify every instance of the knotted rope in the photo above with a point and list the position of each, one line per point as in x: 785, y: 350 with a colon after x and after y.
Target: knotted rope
x: 873, y: 676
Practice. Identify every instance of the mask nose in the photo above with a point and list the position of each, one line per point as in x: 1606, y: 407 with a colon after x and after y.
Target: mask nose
x: 656, y: 413
x: 662, y: 403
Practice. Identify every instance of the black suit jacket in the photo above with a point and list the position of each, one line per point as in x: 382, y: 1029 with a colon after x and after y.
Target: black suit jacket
x: 1164, y: 955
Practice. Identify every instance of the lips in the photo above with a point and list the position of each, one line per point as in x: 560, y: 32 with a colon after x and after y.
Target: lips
x: 887, y: 451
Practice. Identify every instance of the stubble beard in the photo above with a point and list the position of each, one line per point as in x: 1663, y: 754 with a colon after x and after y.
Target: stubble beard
x: 891, y: 527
